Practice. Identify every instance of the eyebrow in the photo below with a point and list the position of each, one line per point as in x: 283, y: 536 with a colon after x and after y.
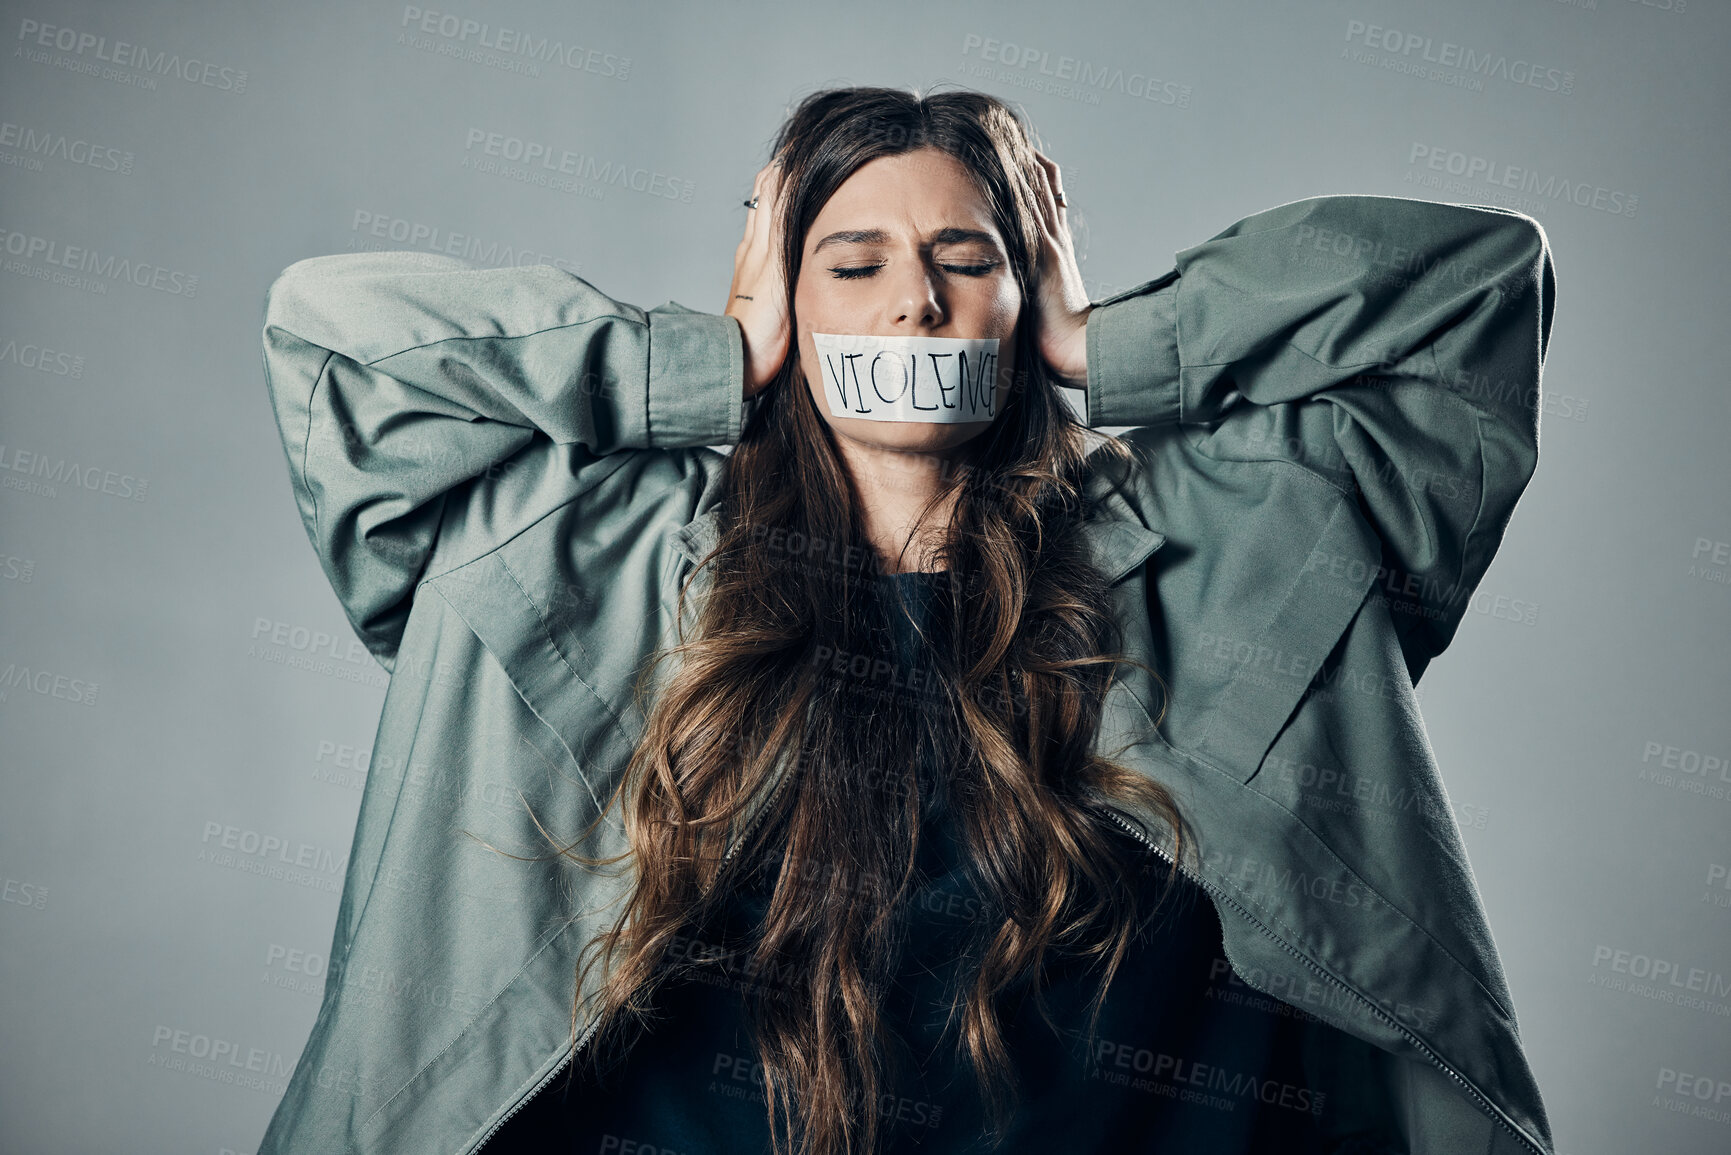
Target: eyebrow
x: 946, y: 236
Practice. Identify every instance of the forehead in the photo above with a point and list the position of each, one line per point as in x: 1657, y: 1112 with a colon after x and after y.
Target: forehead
x: 923, y: 190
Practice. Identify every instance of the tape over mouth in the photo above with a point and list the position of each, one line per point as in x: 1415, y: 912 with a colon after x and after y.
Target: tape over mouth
x: 936, y: 380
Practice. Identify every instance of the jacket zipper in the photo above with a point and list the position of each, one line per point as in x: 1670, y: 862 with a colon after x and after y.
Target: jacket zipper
x: 756, y: 820
x: 536, y: 1090
x: 1423, y: 1048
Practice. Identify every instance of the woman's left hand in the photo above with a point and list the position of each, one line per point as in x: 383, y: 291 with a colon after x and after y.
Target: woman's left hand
x: 1061, y: 304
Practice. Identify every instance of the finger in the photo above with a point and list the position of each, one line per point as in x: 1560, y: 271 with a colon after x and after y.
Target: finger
x: 767, y: 190
x: 764, y: 217
x: 1057, y: 178
x: 753, y: 225
x: 773, y: 193
x: 1048, y: 202
x: 1049, y: 170
x: 773, y: 203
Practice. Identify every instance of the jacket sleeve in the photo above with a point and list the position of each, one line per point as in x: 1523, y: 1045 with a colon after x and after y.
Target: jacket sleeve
x: 396, y: 378
x: 1391, y: 346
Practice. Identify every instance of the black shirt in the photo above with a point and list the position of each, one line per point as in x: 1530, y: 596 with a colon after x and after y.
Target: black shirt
x: 1185, y: 1059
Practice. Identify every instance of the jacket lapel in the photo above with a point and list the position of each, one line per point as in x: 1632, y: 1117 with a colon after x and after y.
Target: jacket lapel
x: 1120, y: 542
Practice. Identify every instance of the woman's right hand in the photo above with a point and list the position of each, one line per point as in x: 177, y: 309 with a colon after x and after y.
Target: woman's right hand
x: 758, y: 298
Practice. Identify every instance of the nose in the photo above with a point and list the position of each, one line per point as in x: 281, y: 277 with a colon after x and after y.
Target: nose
x: 915, y: 303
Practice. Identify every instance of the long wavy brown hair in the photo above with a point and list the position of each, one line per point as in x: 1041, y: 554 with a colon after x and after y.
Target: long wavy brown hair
x: 1025, y: 646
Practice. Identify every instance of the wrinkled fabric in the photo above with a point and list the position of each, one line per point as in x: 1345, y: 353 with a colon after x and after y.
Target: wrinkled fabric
x: 506, y: 477
x: 1176, y: 1064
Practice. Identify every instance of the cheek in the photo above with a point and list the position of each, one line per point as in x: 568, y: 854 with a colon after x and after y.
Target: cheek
x: 818, y: 309
x: 808, y: 311
x: 811, y: 370
x: 808, y: 362
x: 814, y: 311
x: 1009, y: 305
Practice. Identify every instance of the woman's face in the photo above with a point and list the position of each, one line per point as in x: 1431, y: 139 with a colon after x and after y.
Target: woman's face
x: 906, y: 247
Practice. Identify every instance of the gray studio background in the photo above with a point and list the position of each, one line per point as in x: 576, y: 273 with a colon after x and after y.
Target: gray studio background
x: 184, y: 724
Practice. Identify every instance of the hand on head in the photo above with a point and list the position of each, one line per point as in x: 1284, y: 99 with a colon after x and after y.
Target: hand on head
x: 1061, y: 306
x: 758, y: 298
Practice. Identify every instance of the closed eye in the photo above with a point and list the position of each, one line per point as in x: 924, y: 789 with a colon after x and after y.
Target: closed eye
x: 853, y: 272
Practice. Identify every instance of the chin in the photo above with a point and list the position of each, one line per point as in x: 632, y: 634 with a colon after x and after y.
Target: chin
x: 908, y: 436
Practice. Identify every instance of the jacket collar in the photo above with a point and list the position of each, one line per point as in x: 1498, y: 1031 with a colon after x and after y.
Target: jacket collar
x: 1117, y: 533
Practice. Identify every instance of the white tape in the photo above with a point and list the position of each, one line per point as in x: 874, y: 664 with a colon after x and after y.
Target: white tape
x: 939, y: 380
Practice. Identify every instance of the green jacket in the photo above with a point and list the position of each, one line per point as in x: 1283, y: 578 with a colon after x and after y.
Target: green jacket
x: 505, y: 475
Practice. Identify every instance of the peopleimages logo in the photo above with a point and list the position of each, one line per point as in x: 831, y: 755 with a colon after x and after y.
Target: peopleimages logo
x: 1662, y: 980
x: 30, y: 355
x: 221, y: 1060
x: 1501, y: 175
x: 1173, y: 1075
x: 1701, y: 1096
x: 57, y: 255
x: 17, y: 891
x: 36, y: 145
x: 35, y: 36
x: 1070, y: 76
x: 66, y: 687
x: 539, y: 159
x: 1692, y: 771
x: 1453, y: 62
x: 460, y: 33
x: 489, y: 253
x: 44, y: 473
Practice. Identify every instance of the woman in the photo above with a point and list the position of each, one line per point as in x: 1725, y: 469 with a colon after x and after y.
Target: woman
x: 890, y: 756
